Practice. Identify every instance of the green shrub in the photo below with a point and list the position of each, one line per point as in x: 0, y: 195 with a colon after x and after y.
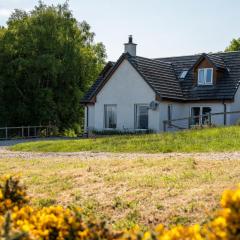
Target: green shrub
x: 69, y: 133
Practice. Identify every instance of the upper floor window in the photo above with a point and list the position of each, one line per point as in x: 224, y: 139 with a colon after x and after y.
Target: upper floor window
x: 110, y: 116
x: 205, y: 76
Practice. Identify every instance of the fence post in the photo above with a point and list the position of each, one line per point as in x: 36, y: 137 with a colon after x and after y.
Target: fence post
x: 164, y: 126
x: 22, y: 132
x: 225, y: 115
x: 6, y: 133
x: 189, y: 122
x: 209, y: 119
x: 28, y: 131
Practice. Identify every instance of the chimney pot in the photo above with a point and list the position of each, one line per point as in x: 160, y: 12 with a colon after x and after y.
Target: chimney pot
x: 130, y: 39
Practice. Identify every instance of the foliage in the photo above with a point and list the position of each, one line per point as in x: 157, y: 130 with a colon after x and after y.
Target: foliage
x: 55, y: 222
x: 69, y: 133
x: 47, y: 61
x: 12, y: 194
x: 199, y: 140
x: 234, y: 45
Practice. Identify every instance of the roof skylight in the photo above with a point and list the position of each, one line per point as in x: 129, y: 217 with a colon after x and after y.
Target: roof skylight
x: 183, y: 74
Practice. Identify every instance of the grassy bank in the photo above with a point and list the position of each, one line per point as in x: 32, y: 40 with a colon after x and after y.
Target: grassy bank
x: 129, y: 191
x: 205, y: 140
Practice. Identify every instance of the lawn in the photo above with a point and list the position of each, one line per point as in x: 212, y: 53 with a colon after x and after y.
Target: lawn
x: 128, y: 191
x: 206, y: 140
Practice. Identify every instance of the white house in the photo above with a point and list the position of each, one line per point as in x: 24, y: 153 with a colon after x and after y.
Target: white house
x: 137, y: 93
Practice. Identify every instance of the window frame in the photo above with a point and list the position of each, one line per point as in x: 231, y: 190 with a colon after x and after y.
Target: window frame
x: 200, y: 119
x: 105, y: 116
x: 205, y: 70
x: 136, y: 117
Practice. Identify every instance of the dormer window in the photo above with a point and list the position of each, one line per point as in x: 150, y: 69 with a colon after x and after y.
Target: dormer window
x: 205, y: 76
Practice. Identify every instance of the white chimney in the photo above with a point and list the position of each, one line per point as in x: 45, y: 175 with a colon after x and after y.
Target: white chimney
x: 130, y: 47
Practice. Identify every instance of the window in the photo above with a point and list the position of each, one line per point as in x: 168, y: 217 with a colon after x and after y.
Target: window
x: 141, y: 116
x: 200, y: 115
x: 110, y: 116
x: 183, y: 74
x: 209, y: 76
x: 205, y: 76
x: 205, y: 117
x: 196, y: 115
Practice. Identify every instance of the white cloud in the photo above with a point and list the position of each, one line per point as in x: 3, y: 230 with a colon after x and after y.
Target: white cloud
x: 5, y: 12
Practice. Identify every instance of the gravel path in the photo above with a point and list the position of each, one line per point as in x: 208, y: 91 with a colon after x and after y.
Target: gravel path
x: 5, y: 153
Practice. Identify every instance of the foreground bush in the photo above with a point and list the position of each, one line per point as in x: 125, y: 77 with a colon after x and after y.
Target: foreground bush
x: 19, y: 221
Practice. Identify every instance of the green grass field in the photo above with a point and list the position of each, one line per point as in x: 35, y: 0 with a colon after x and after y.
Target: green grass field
x: 224, y: 139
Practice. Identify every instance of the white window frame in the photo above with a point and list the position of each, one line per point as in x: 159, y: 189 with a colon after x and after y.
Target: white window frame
x: 135, y: 115
x: 104, y: 116
x: 201, y: 111
x: 205, y: 76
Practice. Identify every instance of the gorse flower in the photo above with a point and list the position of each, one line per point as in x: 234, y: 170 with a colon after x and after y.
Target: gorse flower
x: 12, y: 194
x: 20, y: 221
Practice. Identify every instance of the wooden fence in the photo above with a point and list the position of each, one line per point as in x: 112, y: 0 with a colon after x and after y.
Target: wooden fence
x: 189, y: 121
x: 7, y: 133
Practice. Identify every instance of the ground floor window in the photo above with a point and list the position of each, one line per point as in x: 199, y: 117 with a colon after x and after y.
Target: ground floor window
x: 200, y: 115
x: 141, y: 116
x: 110, y: 116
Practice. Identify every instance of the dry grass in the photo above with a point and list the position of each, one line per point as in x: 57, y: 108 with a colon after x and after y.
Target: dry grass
x: 124, y: 191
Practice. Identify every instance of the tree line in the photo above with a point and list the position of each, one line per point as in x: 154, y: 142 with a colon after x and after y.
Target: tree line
x: 47, y: 62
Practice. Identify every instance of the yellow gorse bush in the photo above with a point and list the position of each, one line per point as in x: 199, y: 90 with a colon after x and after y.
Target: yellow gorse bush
x: 19, y: 221
x: 12, y: 194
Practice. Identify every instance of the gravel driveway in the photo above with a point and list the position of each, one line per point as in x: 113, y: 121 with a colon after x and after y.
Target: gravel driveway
x: 6, y: 153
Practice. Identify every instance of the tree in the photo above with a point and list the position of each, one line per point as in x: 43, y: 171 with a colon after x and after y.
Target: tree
x: 234, y: 45
x: 47, y: 61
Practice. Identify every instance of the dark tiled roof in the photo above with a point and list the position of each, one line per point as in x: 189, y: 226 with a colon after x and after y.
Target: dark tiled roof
x: 162, y: 75
x: 226, y: 86
x: 217, y: 61
x: 91, y: 92
x: 159, y: 75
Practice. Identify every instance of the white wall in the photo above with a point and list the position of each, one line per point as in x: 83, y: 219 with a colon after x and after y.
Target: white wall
x: 91, y: 117
x: 125, y: 88
x: 85, y: 118
x: 182, y: 110
x: 235, y: 106
x: 179, y: 110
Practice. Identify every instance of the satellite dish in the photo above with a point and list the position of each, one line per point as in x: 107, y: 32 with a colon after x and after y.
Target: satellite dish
x: 153, y: 105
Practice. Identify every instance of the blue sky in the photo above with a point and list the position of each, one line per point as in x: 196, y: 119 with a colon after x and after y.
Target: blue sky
x: 159, y: 27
